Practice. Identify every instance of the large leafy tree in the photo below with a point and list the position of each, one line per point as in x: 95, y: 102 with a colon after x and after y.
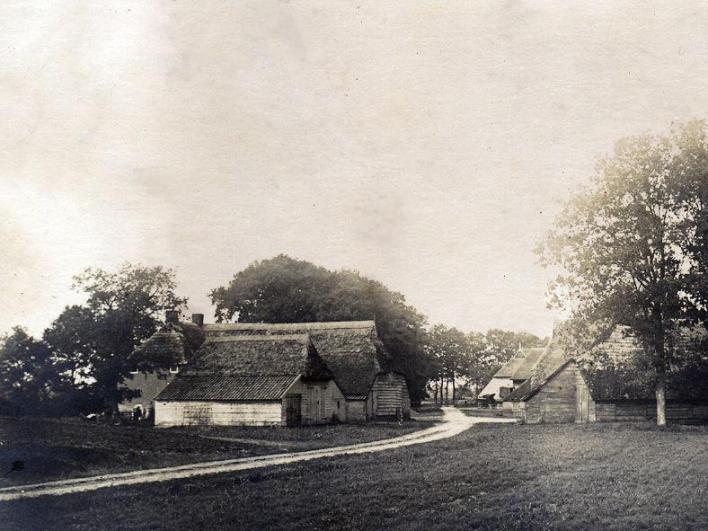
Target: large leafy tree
x: 93, y: 342
x: 630, y: 245
x: 29, y: 381
x: 282, y: 289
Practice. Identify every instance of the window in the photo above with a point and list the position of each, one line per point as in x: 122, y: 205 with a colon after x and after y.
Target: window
x: 337, y: 404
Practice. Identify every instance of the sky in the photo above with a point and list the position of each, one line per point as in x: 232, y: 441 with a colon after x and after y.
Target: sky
x: 427, y: 145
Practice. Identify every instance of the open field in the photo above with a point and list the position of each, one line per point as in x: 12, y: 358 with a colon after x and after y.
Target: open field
x: 65, y: 448
x: 492, y: 476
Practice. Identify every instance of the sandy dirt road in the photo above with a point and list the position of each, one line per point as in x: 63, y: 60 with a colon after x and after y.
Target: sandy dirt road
x: 454, y: 422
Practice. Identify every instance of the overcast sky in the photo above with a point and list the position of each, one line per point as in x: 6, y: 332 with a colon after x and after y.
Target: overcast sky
x: 426, y: 144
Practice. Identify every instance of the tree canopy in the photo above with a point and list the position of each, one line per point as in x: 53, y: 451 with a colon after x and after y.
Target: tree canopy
x: 86, y: 352
x: 282, y: 289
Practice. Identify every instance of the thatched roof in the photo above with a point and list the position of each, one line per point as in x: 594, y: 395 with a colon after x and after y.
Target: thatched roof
x: 247, y: 368
x: 521, y: 366
x: 259, y: 356
x: 352, y: 350
x: 172, y: 344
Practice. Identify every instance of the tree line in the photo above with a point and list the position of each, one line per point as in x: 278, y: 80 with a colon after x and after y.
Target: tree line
x: 457, y: 358
x: 80, y: 360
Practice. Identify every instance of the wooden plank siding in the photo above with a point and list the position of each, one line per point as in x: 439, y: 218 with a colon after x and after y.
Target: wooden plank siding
x: 628, y: 411
x: 321, y: 402
x: 390, y: 395
x: 556, y: 401
x: 198, y: 413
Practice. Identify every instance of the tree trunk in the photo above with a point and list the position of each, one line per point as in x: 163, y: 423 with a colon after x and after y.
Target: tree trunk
x: 453, y: 388
x: 447, y: 390
x: 661, y: 399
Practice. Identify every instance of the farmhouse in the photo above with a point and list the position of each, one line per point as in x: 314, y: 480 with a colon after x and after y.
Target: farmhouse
x: 256, y: 374
x: 160, y: 358
x: 514, y: 373
x: 561, y: 390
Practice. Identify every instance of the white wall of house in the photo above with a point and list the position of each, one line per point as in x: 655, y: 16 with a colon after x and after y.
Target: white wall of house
x: 494, y: 386
x: 199, y: 413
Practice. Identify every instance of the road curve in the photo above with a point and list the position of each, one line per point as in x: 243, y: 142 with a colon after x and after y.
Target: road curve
x: 454, y: 422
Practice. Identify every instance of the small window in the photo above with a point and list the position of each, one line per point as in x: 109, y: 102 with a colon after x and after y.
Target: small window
x: 337, y: 404
x: 174, y: 369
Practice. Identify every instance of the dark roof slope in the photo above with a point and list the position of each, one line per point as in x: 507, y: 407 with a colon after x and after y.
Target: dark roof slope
x: 224, y: 387
x: 247, y: 368
x: 350, y: 349
x: 259, y: 356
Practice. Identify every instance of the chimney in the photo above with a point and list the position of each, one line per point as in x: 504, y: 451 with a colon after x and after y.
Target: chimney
x: 172, y: 316
x: 198, y: 319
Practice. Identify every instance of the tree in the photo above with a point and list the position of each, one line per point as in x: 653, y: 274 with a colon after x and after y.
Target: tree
x: 94, y: 341
x: 630, y: 245
x: 447, y: 349
x: 282, y: 289
x: 29, y: 381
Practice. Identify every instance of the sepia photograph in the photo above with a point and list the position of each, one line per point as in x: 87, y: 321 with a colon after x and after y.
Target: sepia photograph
x: 353, y: 265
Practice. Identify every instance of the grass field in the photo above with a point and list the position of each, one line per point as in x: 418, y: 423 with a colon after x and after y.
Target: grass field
x: 492, y: 476
x: 64, y: 448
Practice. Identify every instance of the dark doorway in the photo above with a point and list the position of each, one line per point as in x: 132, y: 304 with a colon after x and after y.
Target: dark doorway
x: 292, y: 410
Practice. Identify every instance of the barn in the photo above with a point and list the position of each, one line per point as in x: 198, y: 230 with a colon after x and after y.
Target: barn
x: 257, y: 374
x: 252, y: 380
x: 560, y: 390
x: 353, y: 352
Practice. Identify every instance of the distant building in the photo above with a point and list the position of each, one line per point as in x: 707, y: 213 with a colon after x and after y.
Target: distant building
x: 514, y: 373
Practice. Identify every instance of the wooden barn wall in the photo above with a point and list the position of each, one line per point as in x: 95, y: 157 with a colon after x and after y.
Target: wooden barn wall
x: 390, y: 393
x: 200, y: 413
x: 621, y: 411
x: 150, y: 384
x: 321, y: 402
x: 555, y: 402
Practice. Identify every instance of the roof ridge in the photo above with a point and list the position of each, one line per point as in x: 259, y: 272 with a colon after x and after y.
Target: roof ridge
x: 302, y: 338
x: 306, y: 325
